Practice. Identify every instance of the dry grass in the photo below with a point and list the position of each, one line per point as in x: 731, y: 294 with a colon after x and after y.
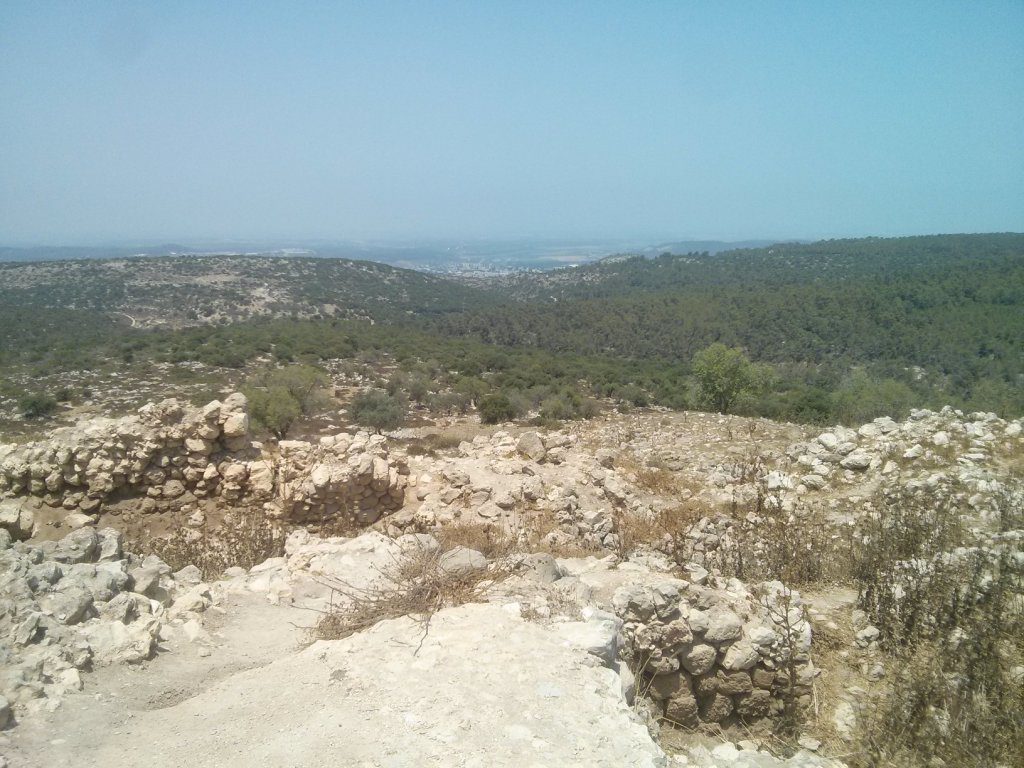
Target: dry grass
x: 667, y: 527
x: 798, y: 549
x: 539, y: 532
x: 493, y: 541
x: 417, y: 585
x: 652, y: 477
x: 953, y: 628
x: 436, y: 443
x: 245, y: 537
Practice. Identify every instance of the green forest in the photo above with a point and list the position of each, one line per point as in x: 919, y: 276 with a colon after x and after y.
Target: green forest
x: 839, y: 330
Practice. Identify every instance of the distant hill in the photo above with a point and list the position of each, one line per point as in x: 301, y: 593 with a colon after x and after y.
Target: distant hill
x: 185, y: 290
x: 709, y: 246
x: 949, y: 303
x: 929, y: 320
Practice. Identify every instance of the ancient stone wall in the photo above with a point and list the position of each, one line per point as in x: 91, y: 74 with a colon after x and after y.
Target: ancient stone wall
x: 708, y: 655
x: 170, y: 455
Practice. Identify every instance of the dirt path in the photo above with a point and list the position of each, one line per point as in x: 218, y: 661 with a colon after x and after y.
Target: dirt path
x: 246, y: 631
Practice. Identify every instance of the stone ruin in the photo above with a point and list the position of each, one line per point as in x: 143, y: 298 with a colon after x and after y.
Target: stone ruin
x: 71, y: 605
x: 713, y: 655
x: 343, y: 477
x: 169, y: 456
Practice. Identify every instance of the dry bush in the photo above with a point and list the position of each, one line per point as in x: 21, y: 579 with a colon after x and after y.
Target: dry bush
x: 652, y: 477
x: 493, y: 541
x: 766, y: 542
x: 943, y: 707
x: 906, y: 580
x: 952, y: 619
x: 540, y: 532
x: 245, y: 537
x: 662, y: 530
x: 415, y: 585
x: 750, y: 469
x: 787, y: 617
x: 434, y: 443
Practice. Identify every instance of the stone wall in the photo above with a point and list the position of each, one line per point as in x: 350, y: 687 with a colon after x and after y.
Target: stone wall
x: 170, y: 455
x: 163, y: 452
x: 345, y: 478
x: 706, y: 655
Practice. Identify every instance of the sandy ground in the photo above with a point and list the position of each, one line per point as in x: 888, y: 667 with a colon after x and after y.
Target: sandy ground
x: 481, y: 688
x: 118, y: 701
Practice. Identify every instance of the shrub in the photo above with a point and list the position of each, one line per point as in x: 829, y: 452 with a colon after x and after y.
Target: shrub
x: 278, y: 397
x: 416, y: 585
x: 377, y: 410
x: 633, y: 395
x: 861, y: 398
x: 770, y: 544
x: 274, y: 408
x: 36, y: 405
x: 953, y: 619
x: 495, y: 409
x: 448, y: 403
x: 723, y: 374
x: 245, y: 537
x: 418, y: 389
x: 558, y: 408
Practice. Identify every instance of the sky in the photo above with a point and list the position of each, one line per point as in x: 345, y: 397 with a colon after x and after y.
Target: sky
x: 157, y: 122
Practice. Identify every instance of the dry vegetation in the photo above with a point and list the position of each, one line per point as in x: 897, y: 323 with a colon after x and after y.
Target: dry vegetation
x: 244, y: 538
x: 947, y: 598
x: 951, y: 613
x: 418, y: 585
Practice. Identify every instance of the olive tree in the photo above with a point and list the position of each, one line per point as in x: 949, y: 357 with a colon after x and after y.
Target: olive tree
x: 278, y: 397
x: 723, y: 374
x: 377, y: 410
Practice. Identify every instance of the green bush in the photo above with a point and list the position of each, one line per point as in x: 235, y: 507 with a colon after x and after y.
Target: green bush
x: 448, y: 403
x: 723, y: 374
x: 495, y: 409
x: 36, y: 405
x: 278, y: 397
x: 377, y: 410
x: 861, y: 398
x: 274, y: 408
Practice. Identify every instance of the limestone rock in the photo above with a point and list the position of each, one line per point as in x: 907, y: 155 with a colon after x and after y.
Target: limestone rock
x: 531, y: 446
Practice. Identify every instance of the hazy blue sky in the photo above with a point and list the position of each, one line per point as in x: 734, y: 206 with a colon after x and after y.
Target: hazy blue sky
x: 494, y: 119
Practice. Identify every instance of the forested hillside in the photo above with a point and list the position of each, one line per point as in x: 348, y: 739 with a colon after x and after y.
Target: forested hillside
x: 952, y: 305
x: 843, y: 330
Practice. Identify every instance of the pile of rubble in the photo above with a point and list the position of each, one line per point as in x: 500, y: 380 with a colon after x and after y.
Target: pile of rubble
x: 81, y: 602
x: 927, y: 444
x: 514, y: 483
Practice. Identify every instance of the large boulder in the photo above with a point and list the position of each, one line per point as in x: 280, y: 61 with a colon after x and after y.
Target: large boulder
x: 16, y: 518
x: 531, y: 446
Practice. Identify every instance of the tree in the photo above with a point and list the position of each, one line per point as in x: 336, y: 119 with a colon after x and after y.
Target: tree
x: 303, y: 382
x: 496, y: 408
x: 279, y: 396
x: 377, y: 410
x: 275, y: 408
x: 723, y: 373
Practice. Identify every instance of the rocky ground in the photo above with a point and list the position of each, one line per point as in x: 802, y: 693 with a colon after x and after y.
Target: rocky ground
x: 600, y: 618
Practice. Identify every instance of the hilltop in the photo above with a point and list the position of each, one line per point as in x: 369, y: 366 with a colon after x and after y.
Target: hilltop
x: 640, y: 589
